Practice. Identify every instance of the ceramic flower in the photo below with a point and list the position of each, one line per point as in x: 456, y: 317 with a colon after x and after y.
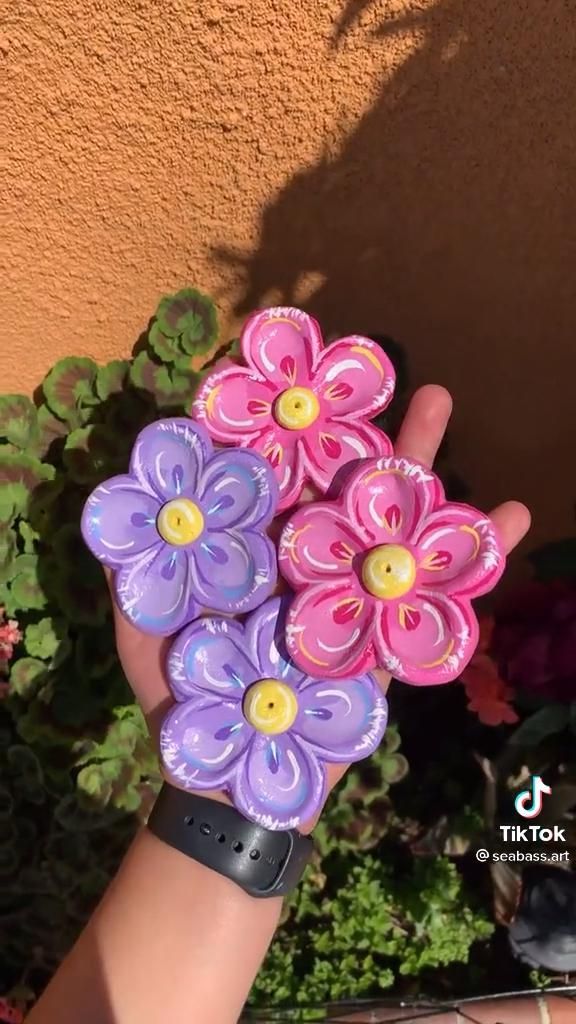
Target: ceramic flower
x: 304, y: 407
x: 385, y: 575
x: 248, y: 721
x: 185, y: 528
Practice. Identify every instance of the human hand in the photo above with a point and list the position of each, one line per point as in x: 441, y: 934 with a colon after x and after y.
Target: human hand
x: 143, y: 656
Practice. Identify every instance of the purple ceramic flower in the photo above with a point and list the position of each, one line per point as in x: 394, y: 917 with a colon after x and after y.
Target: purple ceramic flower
x: 248, y: 721
x: 185, y: 528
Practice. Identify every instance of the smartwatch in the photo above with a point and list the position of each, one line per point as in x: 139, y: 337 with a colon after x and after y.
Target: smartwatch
x: 262, y: 862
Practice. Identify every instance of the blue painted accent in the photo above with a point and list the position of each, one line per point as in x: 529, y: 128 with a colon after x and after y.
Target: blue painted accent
x: 273, y: 757
x: 178, y: 477
x: 227, y: 730
x: 322, y: 713
x: 232, y: 675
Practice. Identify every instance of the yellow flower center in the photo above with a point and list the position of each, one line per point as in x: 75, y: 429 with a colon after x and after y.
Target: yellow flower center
x: 296, y: 408
x: 180, y: 522
x: 389, y: 571
x: 270, y: 706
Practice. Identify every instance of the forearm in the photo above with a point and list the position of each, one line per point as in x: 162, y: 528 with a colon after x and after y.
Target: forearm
x: 171, y: 940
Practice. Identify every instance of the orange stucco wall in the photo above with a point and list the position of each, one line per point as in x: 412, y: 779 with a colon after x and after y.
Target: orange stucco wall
x: 405, y: 167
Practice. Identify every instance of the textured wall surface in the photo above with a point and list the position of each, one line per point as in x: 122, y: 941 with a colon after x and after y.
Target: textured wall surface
x: 405, y: 167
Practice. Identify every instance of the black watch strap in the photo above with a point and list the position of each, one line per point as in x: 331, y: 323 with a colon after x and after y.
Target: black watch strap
x: 261, y: 862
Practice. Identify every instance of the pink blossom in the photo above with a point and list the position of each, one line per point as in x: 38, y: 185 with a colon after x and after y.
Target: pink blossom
x: 304, y: 407
x: 10, y: 635
x: 385, y: 574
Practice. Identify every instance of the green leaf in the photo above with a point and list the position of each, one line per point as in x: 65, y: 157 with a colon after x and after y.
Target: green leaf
x: 77, y: 816
x: 394, y: 768
x: 50, y: 429
x: 112, y: 378
x: 96, y: 782
x: 544, y: 723
x: 170, y: 388
x: 25, y: 769
x: 69, y: 389
x: 26, y: 590
x: 8, y: 549
x: 18, y: 421
x: 555, y: 561
x: 168, y: 350
x: 190, y: 316
x: 21, y: 475
x: 91, y: 454
x: 44, y: 638
x: 78, y: 581
x: 29, y: 536
x: 96, y: 652
x: 26, y: 677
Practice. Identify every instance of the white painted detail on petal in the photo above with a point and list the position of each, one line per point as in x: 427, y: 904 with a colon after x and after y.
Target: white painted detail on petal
x: 356, y: 445
x: 336, y: 693
x: 236, y: 423
x: 345, y: 364
x: 341, y: 647
x: 158, y: 470
x: 437, y: 619
x: 295, y: 769
x: 221, y: 757
x: 319, y: 565
x: 117, y: 547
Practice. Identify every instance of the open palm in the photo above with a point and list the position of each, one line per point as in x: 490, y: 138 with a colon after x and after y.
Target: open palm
x: 143, y: 656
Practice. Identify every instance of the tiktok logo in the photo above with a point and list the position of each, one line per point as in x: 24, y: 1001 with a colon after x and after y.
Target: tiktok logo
x: 528, y: 803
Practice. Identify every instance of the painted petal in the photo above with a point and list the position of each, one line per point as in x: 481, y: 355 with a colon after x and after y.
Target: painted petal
x: 355, y: 377
x: 280, y: 785
x: 201, y: 743
x: 345, y: 721
x: 266, y: 644
x: 338, y: 444
x: 119, y: 520
x: 391, y: 497
x: 317, y: 544
x: 429, y: 638
x: 459, y: 551
x: 208, y: 657
x: 233, y: 403
x: 238, y: 488
x: 283, y: 451
x: 233, y: 571
x: 282, y: 344
x: 168, y: 457
x: 329, y: 630
x: 154, y: 592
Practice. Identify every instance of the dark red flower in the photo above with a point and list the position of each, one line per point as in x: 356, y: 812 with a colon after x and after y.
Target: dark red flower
x: 534, y: 640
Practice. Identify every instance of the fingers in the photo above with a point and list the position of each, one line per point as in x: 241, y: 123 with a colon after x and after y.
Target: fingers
x: 143, y: 659
x: 512, y: 521
x: 425, y: 424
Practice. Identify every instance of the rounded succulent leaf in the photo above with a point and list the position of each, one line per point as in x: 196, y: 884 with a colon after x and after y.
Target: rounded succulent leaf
x: 18, y: 421
x: 69, y: 388
x: 26, y: 677
x: 111, y: 379
x: 191, y: 316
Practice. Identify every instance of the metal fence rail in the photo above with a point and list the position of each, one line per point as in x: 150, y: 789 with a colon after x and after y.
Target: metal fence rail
x: 418, y: 1011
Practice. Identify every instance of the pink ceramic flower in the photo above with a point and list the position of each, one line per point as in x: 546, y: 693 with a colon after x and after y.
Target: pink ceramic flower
x: 304, y: 407
x: 385, y: 575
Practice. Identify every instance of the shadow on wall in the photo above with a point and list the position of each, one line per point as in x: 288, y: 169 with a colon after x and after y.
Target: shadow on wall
x: 447, y: 219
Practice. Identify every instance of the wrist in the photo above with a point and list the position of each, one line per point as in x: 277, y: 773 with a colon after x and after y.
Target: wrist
x: 263, y: 863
